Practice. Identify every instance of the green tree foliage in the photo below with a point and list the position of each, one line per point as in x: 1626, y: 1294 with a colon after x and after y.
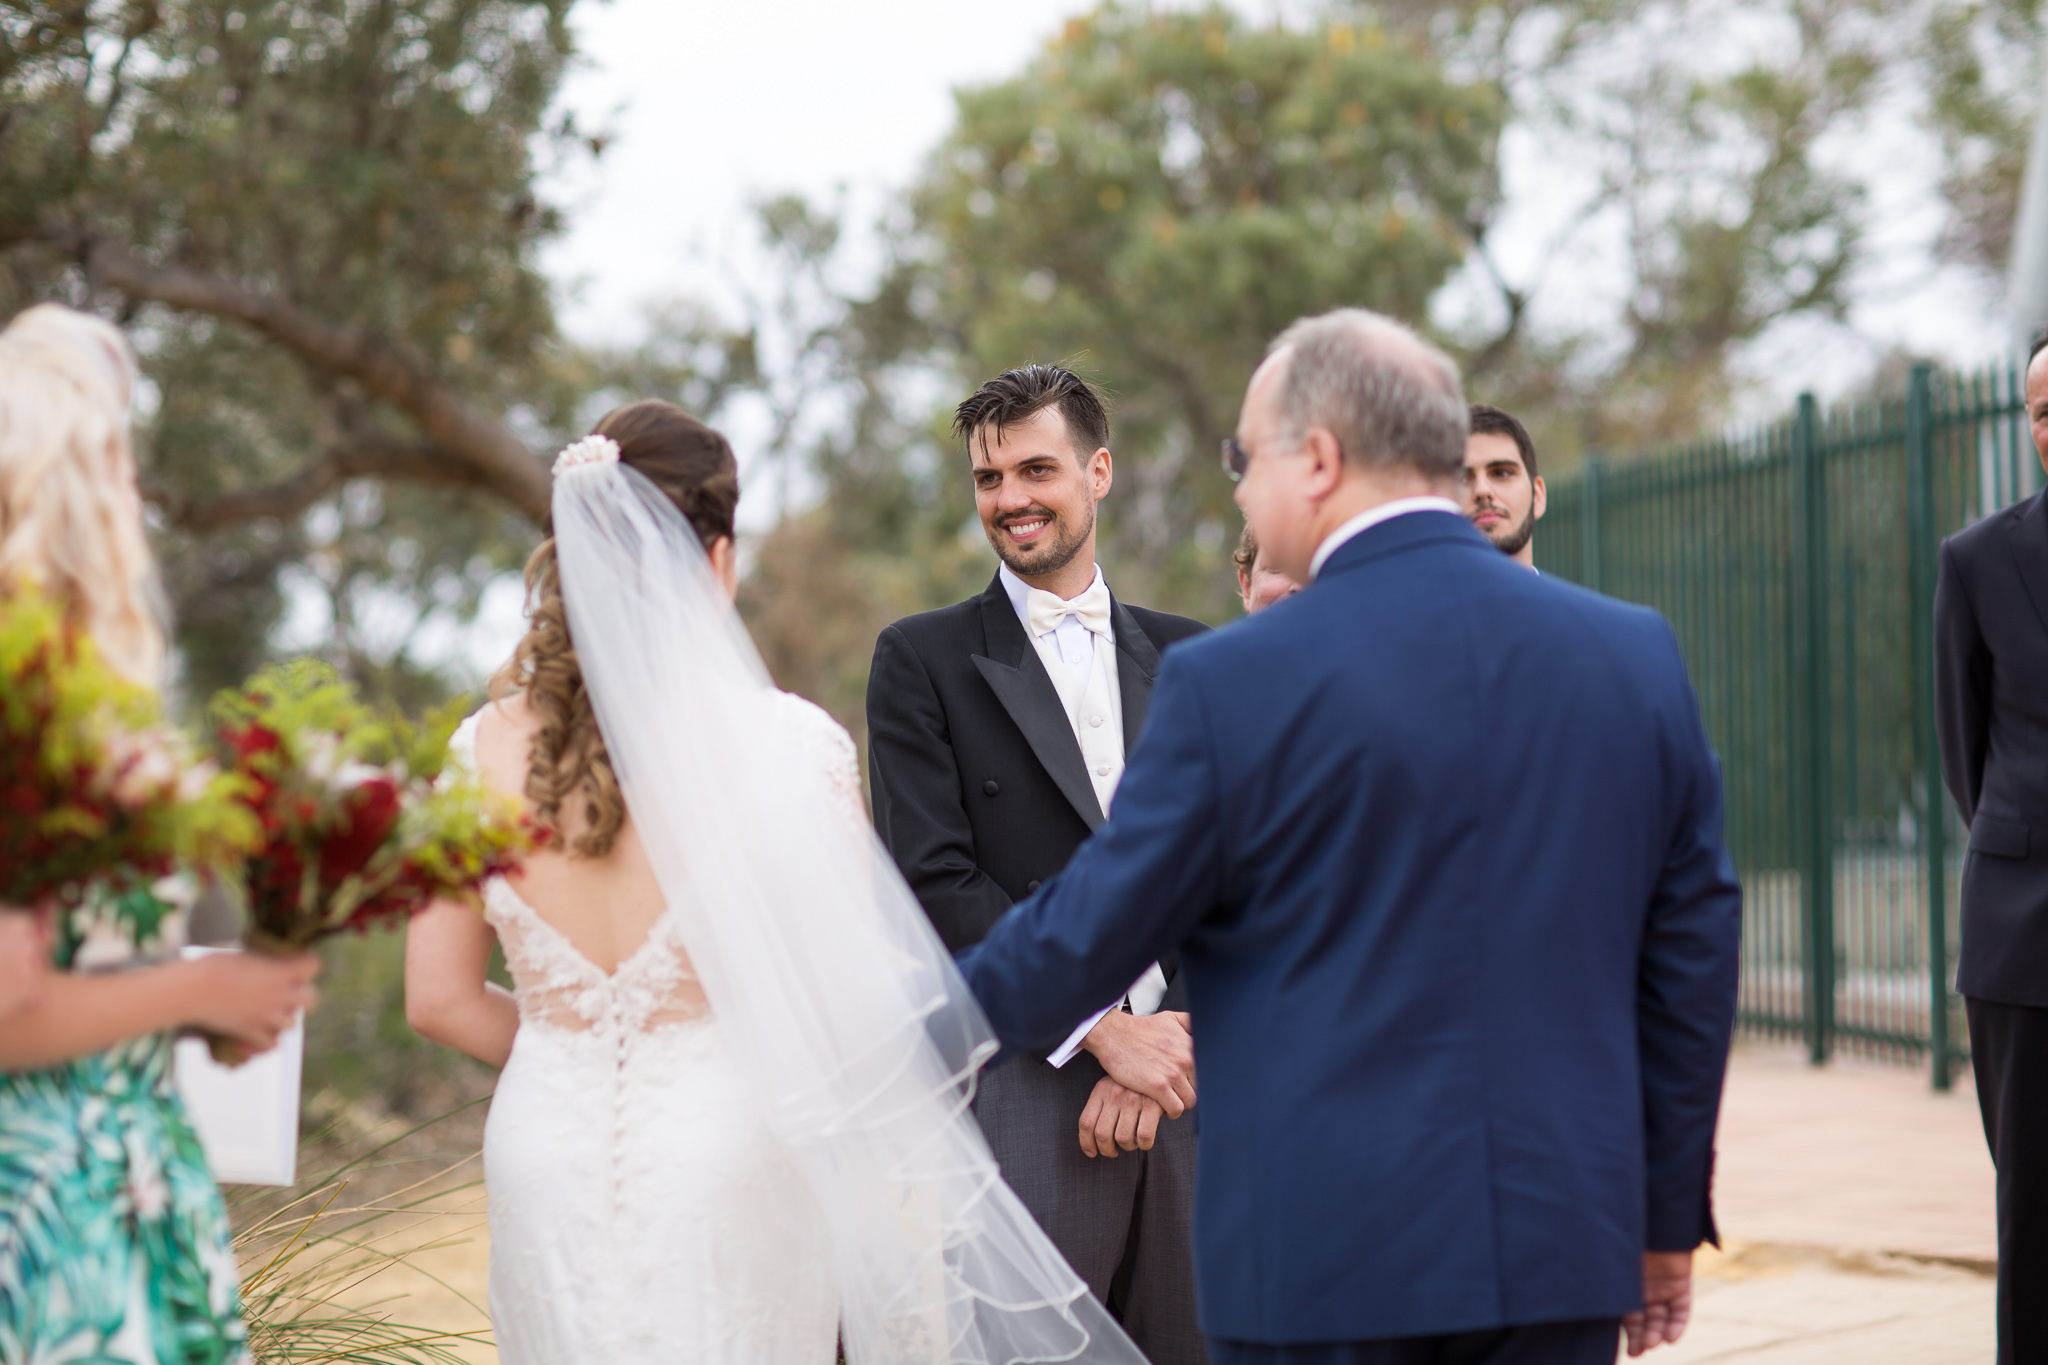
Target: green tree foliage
x: 1150, y: 200
x: 1983, y: 75
x: 319, y: 220
x: 1156, y: 196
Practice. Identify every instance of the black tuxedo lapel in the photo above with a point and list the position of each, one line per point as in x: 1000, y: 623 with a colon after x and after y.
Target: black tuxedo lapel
x: 2031, y: 553
x: 1017, y: 676
x: 1134, y: 671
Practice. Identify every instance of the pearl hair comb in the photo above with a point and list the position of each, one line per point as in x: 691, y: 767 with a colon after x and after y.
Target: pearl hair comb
x: 589, y: 450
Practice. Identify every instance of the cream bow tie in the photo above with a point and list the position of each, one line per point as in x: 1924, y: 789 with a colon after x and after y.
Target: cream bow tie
x: 1047, y: 611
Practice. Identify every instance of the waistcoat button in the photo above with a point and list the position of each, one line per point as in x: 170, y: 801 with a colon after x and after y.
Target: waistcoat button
x: 1031, y: 886
x: 990, y: 787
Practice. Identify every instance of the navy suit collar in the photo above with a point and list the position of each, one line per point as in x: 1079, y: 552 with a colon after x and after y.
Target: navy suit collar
x: 1400, y: 534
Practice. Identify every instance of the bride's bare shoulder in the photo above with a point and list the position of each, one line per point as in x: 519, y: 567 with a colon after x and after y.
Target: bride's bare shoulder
x: 504, y: 741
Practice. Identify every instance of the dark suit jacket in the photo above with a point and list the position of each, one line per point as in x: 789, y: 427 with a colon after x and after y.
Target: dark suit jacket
x: 1440, y: 843
x: 979, y: 788
x: 1991, y: 710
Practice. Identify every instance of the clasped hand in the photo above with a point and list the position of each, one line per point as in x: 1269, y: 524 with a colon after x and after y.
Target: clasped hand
x: 1151, y: 1064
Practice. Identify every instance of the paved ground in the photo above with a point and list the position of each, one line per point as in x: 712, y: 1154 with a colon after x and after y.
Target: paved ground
x: 1857, y: 1205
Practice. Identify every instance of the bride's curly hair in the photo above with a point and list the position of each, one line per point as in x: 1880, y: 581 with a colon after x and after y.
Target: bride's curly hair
x: 694, y: 465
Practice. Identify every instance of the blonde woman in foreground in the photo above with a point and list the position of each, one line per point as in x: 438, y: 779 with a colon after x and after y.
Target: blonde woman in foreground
x: 114, y: 1246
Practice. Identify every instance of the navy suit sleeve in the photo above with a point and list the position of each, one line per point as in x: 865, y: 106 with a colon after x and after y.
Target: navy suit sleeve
x: 1962, y: 688
x: 1686, y: 989
x: 916, y: 786
x: 1127, y: 898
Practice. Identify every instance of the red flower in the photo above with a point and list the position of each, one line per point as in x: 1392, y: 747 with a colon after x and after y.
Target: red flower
x: 372, y: 809
x: 254, y: 739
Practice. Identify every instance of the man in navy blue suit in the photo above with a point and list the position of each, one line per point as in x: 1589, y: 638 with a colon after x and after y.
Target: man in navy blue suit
x: 1439, y: 843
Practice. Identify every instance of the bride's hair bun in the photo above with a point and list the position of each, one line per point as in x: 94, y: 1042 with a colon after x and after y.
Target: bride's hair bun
x: 694, y: 466
x: 685, y: 459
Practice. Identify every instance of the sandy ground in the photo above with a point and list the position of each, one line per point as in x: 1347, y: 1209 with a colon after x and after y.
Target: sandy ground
x: 1855, y: 1201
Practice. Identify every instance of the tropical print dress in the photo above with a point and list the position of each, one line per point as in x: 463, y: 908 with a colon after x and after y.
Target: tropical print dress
x: 114, y: 1245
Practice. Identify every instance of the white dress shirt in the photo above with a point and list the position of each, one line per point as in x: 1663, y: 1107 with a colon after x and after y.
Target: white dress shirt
x: 1372, y: 517
x: 1070, y: 647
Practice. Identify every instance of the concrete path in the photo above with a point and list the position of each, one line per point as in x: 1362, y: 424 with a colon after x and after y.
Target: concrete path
x: 1857, y: 1208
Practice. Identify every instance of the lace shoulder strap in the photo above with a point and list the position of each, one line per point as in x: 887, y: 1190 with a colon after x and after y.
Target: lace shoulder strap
x: 832, y: 749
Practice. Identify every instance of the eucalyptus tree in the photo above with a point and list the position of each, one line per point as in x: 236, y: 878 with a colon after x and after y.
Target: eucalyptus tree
x: 319, y: 220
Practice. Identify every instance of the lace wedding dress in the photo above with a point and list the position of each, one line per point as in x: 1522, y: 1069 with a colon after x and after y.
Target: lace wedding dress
x: 640, y: 1208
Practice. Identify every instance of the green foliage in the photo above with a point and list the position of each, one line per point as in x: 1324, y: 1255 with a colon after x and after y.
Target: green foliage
x: 93, y: 782
x: 365, y: 168
x: 1982, y: 60
x: 1154, y: 198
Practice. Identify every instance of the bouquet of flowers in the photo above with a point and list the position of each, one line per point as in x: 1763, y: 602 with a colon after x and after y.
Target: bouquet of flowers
x: 93, y: 784
x: 360, y: 826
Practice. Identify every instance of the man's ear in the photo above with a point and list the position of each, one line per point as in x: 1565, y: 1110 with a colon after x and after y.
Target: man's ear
x: 1101, y: 473
x: 1542, y: 499
x: 1325, y: 463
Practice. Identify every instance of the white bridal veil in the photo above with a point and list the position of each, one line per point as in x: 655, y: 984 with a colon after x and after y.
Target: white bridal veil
x: 842, y: 1006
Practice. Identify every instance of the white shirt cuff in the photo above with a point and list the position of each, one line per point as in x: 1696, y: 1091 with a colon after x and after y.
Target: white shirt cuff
x: 1065, y: 1052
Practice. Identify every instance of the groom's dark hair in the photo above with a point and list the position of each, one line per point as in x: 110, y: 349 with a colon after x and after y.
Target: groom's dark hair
x: 1019, y: 395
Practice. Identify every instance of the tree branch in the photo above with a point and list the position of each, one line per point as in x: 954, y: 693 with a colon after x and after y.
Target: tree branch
x: 456, y: 429
x: 413, y: 462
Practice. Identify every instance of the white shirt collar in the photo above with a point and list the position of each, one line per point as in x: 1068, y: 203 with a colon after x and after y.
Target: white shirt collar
x: 1372, y: 517
x: 1017, y: 588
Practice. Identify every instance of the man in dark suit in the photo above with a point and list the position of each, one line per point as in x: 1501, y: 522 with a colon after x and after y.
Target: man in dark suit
x: 1439, y: 842
x: 997, y: 733
x: 1991, y: 709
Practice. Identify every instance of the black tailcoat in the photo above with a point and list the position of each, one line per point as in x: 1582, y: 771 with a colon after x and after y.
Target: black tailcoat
x: 980, y: 794
x: 979, y: 788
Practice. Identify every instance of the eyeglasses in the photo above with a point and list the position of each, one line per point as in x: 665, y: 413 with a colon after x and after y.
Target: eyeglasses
x: 1235, y: 458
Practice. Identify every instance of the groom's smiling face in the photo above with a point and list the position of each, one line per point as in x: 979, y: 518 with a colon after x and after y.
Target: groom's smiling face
x: 1036, y: 495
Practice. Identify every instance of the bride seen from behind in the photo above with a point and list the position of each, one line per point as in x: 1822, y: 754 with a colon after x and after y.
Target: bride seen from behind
x: 731, y: 1124
x: 622, y: 1160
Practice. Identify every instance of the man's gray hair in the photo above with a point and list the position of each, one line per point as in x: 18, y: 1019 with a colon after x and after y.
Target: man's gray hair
x: 1388, y: 396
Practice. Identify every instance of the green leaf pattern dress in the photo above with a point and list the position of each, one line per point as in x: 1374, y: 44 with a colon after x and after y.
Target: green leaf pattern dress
x: 115, y: 1248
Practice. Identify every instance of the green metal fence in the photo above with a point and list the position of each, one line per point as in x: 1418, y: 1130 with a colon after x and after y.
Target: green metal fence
x: 1797, y: 565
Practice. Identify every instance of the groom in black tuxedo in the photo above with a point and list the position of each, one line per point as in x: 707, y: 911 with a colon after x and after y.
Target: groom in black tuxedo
x: 997, y: 732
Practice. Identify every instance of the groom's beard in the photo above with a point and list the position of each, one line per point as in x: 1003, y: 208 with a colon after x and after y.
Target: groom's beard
x: 1056, y: 546
x: 1510, y: 538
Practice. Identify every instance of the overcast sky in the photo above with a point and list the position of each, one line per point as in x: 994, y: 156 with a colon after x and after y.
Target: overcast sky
x: 718, y: 104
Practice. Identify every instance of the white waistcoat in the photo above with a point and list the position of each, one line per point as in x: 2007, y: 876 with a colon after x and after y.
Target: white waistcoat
x: 1096, y: 712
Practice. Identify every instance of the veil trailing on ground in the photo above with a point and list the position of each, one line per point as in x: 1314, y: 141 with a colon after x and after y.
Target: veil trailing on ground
x: 842, y: 1007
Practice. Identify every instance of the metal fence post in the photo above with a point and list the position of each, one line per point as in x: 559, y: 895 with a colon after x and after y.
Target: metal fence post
x: 1589, y: 527
x: 1926, y: 756
x: 1809, y: 529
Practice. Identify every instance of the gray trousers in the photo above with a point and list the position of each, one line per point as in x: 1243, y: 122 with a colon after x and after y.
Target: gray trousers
x: 1125, y: 1225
